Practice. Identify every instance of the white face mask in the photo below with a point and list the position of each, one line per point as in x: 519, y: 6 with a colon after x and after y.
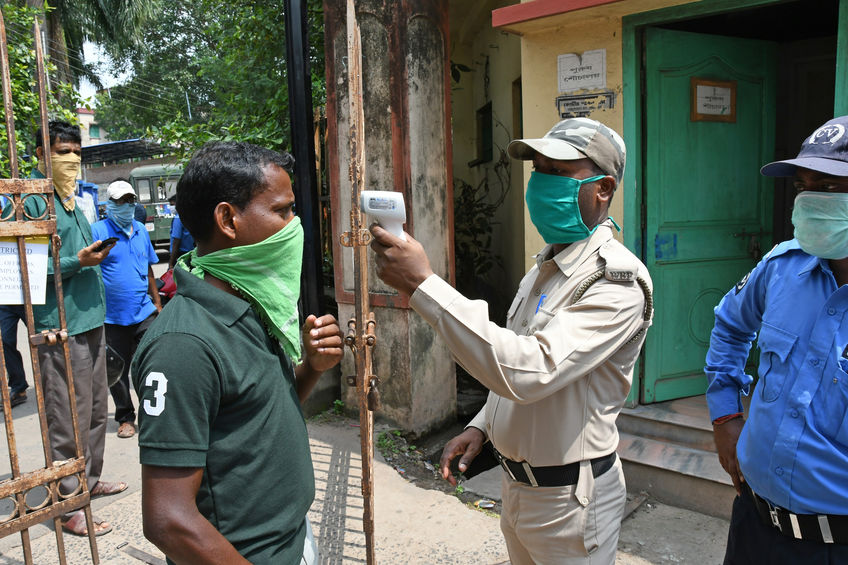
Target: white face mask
x: 821, y: 223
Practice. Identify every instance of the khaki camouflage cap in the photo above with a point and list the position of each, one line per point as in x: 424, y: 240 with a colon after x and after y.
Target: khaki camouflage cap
x: 576, y: 138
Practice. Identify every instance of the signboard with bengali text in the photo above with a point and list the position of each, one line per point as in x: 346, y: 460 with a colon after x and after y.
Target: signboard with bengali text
x: 582, y: 72
x: 11, y: 285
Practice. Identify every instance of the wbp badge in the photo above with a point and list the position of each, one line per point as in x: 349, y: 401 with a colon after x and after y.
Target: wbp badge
x: 741, y: 284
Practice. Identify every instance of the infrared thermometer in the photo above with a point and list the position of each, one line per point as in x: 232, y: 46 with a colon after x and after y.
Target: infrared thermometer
x: 386, y: 207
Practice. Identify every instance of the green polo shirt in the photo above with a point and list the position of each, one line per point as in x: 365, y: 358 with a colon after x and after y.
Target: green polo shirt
x: 82, y: 287
x: 216, y: 392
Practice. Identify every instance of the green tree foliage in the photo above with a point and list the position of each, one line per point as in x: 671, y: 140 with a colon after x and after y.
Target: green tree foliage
x: 70, y: 23
x: 223, y: 59
x: 22, y: 65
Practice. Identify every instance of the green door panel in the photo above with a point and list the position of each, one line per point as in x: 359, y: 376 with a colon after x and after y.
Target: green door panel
x: 708, y: 210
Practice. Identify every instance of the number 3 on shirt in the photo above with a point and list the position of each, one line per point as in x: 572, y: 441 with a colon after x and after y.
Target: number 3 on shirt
x: 159, y: 381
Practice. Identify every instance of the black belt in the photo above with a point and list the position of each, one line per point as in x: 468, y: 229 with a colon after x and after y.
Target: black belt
x: 554, y: 476
x: 822, y: 528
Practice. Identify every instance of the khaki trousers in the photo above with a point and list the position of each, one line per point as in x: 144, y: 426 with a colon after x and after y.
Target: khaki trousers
x: 550, y: 525
x: 88, y: 361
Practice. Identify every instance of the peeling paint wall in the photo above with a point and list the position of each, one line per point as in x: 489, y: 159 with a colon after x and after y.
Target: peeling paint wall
x: 404, y: 55
x: 425, y: 56
x: 379, y: 168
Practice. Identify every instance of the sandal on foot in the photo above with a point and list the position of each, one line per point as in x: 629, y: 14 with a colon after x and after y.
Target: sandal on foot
x: 126, y: 429
x: 17, y: 398
x: 76, y: 525
x: 107, y: 489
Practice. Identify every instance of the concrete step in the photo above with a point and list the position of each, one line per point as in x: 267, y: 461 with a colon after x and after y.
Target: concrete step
x: 676, y: 474
x: 665, y: 423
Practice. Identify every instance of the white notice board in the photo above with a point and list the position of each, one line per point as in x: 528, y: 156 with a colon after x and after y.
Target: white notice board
x: 582, y: 72
x: 11, y: 285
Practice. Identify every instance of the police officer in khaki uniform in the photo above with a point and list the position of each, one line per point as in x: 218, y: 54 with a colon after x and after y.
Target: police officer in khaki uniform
x: 561, y: 369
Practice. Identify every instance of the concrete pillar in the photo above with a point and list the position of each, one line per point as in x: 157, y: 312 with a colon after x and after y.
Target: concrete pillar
x: 407, y: 146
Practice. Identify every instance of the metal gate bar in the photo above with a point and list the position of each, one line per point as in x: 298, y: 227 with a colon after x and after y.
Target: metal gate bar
x: 16, y: 222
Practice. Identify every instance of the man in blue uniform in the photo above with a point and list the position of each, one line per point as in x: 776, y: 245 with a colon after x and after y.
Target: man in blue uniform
x: 132, y: 299
x: 789, y: 459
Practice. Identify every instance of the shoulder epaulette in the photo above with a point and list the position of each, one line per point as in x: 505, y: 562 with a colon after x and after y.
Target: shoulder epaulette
x: 783, y: 248
x: 621, y: 265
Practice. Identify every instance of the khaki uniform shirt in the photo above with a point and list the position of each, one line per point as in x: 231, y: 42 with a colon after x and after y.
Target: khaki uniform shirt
x: 560, y: 371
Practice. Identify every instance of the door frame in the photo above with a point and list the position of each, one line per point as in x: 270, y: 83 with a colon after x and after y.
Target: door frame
x: 632, y: 85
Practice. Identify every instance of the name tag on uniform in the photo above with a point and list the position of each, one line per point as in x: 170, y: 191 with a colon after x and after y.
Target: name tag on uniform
x: 620, y: 275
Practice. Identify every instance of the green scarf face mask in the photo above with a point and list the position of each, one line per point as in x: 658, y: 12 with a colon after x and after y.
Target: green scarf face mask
x: 267, y: 274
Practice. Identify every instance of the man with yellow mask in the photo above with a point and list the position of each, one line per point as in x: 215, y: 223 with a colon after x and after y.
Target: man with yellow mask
x: 85, y: 311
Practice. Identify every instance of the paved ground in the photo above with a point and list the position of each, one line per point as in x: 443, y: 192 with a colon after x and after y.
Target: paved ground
x: 413, y: 525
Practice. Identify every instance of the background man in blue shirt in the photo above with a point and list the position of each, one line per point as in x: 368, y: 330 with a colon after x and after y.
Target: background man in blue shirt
x: 132, y: 299
x: 181, y: 240
x: 789, y: 460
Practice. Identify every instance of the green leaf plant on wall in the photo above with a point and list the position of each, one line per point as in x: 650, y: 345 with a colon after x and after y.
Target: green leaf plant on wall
x: 474, y: 212
x: 456, y: 70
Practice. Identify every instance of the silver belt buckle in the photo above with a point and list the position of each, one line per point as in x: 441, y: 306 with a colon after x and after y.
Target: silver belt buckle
x: 502, y: 460
x: 530, y: 476
x: 774, y: 519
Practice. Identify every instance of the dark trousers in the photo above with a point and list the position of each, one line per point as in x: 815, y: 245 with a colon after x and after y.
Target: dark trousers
x: 124, y: 340
x: 9, y: 316
x: 751, y: 541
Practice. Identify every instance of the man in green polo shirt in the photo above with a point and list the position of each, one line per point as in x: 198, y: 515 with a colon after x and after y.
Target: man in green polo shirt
x: 85, y: 312
x: 226, y: 470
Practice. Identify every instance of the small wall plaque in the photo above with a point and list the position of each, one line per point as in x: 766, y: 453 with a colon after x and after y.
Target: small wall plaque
x: 582, y: 105
x: 713, y: 100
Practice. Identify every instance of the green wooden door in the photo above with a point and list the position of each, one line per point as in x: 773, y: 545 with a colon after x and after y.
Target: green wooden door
x: 708, y: 211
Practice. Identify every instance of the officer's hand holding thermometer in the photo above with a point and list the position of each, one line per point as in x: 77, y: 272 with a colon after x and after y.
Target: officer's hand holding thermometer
x: 401, y: 261
x: 387, y: 208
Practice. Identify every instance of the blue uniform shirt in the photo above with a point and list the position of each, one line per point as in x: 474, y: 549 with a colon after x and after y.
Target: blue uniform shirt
x: 793, y: 450
x: 178, y: 231
x: 125, y: 273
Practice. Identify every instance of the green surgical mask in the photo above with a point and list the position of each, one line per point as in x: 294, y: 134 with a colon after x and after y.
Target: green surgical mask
x: 552, y: 203
x: 821, y: 223
x: 267, y: 274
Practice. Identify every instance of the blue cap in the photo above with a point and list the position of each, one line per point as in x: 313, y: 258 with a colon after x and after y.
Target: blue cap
x: 825, y: 151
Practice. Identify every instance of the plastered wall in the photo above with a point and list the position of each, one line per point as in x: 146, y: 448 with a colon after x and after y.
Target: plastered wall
x: 542, y: 41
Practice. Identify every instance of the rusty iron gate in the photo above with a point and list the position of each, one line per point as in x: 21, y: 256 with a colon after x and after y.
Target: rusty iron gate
x: 361, y: 336
x: 24, y: 487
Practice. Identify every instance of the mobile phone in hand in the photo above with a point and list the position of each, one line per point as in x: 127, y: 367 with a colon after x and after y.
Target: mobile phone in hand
x: 105, y: 243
